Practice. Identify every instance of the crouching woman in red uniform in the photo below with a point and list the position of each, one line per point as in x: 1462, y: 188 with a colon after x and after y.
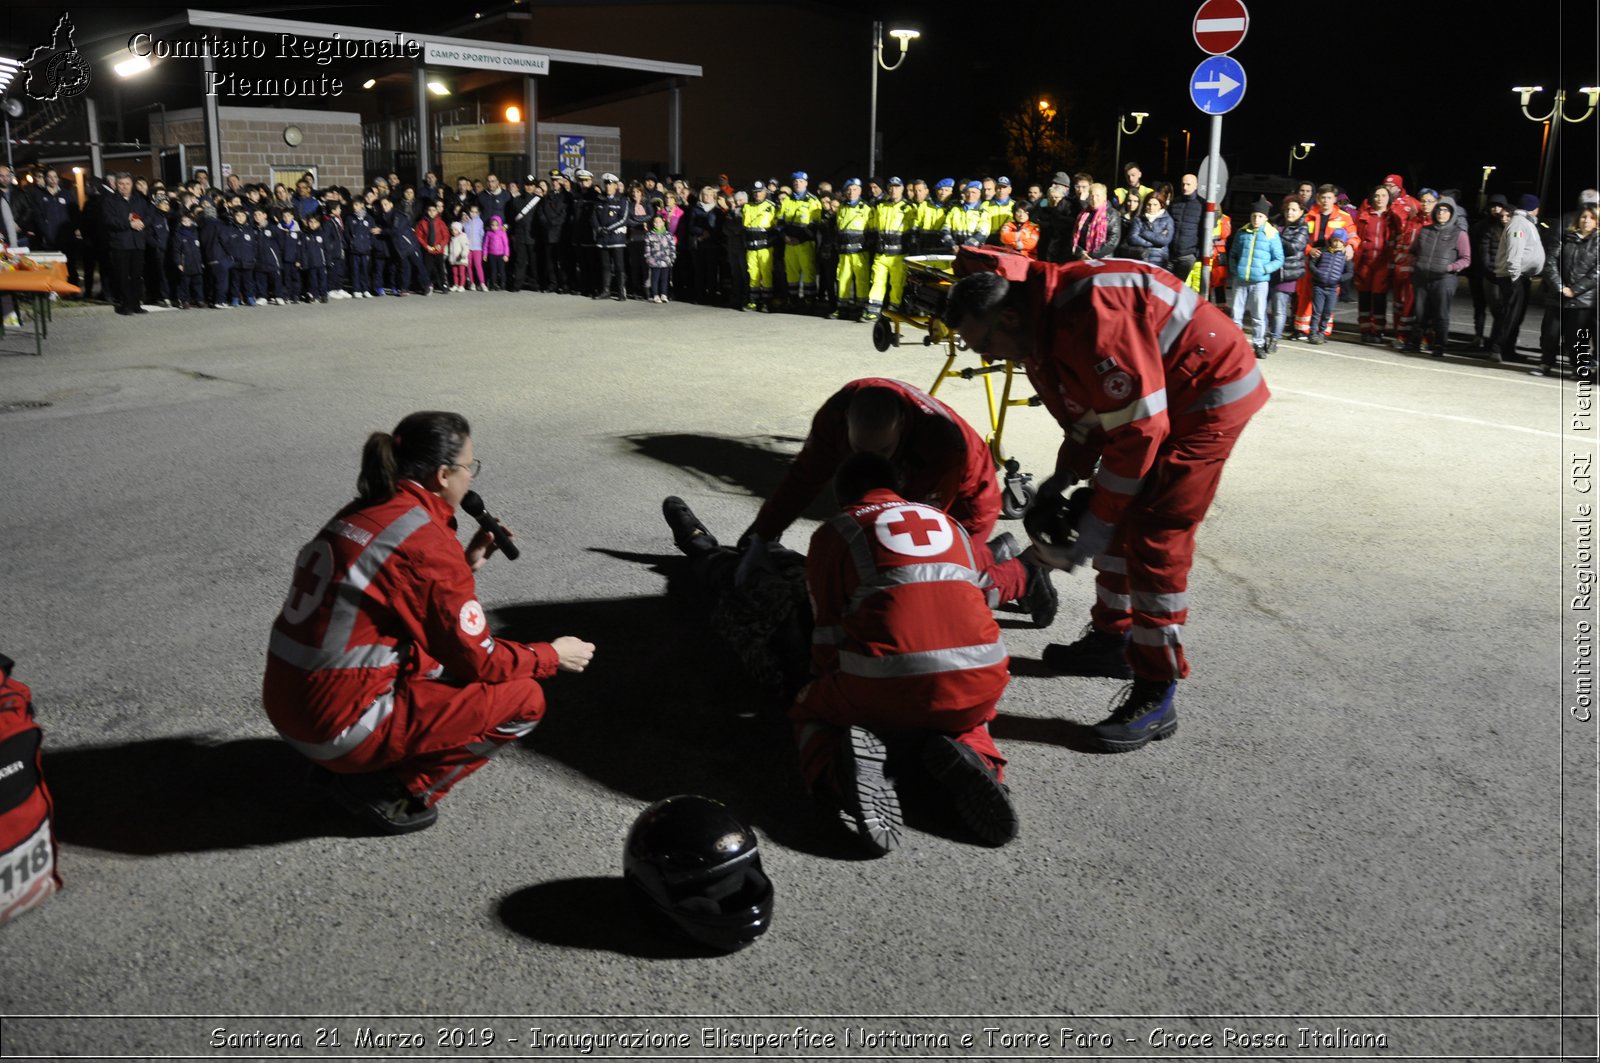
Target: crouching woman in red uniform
x: 381, y: 667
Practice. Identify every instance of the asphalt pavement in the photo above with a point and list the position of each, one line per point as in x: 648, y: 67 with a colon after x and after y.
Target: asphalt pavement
x: 1358, y: 826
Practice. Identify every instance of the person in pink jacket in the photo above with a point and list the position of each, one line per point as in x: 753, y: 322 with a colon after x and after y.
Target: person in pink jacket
x: 497, y: 252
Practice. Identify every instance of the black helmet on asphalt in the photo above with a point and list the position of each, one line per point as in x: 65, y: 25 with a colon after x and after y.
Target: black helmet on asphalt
x: 691, y: 864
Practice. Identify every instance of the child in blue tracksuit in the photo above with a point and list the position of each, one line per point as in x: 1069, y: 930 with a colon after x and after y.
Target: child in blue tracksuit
x: 333, y: 237
x: 314, y: 258
x: 1329, y: 271
x: 358, y: 251
x: 214, y: 252
x: 292, y: 255
x: 1255, y: 253
x: 240, y: 241
x: 188, y: 266
x: 269, y: 261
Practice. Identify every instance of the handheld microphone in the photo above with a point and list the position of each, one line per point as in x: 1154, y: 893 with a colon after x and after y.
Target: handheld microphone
x: 474, y: 507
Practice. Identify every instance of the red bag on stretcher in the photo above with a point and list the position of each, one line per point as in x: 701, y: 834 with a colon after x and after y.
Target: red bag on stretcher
x: 27, y: 837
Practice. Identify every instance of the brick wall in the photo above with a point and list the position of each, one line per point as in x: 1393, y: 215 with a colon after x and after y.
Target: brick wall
x: 252, y: 142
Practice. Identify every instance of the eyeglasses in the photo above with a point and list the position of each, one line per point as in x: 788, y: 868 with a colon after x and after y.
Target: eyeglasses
x: 472, y: 470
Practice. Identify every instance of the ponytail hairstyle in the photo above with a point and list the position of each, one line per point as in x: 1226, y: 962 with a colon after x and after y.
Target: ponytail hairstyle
x: 419, y: 444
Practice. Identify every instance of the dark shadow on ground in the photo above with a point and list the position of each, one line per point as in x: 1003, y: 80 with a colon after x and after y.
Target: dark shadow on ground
x: 187, y: 794
x: 665, y: 709
x: 1052, y: 731
x: 753, y: 465
x: 591, y: 913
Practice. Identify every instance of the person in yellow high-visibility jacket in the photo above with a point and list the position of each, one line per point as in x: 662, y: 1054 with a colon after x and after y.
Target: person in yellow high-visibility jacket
x: 852, y: 242
x: 889, y: 223
x: 798, y: 217
x: 968, y: 221
x: 760, y: 220
x: 1000, y: 206
x: 928, y: 225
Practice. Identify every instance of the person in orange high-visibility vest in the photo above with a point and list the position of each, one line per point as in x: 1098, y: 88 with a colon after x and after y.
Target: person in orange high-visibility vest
x: 1322, y: 220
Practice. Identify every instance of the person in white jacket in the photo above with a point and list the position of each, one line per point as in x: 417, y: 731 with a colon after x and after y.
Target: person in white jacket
x: 1518, y: 259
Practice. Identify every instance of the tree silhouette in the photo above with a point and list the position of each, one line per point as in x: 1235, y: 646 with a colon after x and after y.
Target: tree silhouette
x: 1036, y: 139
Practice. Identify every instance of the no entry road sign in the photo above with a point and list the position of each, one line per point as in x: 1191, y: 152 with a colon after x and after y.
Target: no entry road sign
x: 1220, y: 25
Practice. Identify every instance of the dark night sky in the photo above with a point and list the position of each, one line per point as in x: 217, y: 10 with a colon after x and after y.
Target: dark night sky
x: 1422, y: 94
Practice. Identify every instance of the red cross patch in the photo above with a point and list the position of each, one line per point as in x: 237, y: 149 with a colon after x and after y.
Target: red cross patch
x: 917, y: 531
x: 472, y: 619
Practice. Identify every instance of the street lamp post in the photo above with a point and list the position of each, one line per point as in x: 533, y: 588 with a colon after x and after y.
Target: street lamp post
x: 1557, y: 115
x: 905, y: 37
x: 1298, y: 152
x: 1483, y: 187
x: 1122, y: 120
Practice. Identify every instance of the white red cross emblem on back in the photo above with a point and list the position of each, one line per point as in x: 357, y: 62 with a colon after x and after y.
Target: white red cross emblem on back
x: 915, y: 531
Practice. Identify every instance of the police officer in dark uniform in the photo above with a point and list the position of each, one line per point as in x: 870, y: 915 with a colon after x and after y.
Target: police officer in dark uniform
x: 520, y: 220
x: 551, y: 220
x: 610, y: 227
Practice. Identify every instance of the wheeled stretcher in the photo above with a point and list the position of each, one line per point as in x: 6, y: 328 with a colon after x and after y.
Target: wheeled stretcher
x: 928, y: 282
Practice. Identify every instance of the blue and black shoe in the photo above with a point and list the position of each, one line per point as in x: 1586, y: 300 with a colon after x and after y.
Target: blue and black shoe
x: 1097, y: 653
x: 1145, y: 715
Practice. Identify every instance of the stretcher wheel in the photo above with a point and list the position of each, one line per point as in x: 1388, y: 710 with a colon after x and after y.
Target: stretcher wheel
x: 883, y: 336
x: 1018, y: 492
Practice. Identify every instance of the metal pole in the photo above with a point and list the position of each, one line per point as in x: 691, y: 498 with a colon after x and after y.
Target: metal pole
x: 97, y: 162
x: 213, y: 121
x: 8, y: 144
x: 1548, y: 162
x: 1116, y: 163
x: 1213, y: 167
x: 675, y: 134
x: 530, y: 118
x: 872, y: 105
x: 424, y: 134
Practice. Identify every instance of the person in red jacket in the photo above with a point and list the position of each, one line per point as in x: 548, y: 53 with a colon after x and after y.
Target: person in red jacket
x: 1155, y: 386
x: 904, y: 643
x: 941, y: 460
x: 1410, y: 217
x: 434, y: 236
x: 1378, y: 230
x: 381, y: 668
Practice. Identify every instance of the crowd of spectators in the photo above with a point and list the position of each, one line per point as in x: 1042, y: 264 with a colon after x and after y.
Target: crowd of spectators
x: 786, y: 245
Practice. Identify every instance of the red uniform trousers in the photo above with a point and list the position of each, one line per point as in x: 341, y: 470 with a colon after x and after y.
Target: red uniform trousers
x: 1142, y: 579
x: 1404, y: 301
x: 440, y: 731
x: 1002, y: 581
x: 1302, y: 307
x: 898, y: 709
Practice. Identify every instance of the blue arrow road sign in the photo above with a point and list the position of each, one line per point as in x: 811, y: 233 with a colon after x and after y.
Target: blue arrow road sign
x: 1217, y: 85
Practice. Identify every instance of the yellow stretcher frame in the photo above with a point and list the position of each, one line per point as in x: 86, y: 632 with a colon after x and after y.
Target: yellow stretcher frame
x: 1017, y: 490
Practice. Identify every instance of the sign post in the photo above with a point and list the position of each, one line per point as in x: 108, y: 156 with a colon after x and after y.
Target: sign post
x: 1216, y: 87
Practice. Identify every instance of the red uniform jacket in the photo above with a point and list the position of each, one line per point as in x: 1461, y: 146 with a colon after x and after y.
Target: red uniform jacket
x: 433, y: 234
x: 942, y: 461
x: 1375, y: 253
x: 383, y: 591
x: 899, y: 614
x: 1126, y: 356
x: 1409, y: 220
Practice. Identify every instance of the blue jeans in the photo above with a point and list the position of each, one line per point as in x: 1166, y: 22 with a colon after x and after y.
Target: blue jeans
x: 1280, y: 312
x: 1323, y: 301
x: 1254, y: 294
